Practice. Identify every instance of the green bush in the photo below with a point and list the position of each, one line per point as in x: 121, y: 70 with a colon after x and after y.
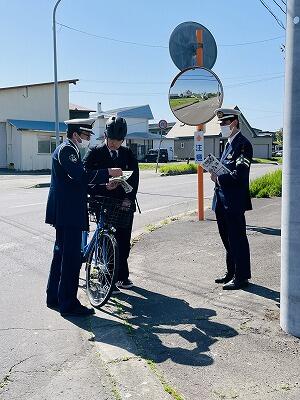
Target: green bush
x: 268, y: 185
x: 178, y: 169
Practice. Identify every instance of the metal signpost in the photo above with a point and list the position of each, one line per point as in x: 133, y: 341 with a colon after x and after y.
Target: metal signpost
x: 192, y: 45
x: 163, y: 126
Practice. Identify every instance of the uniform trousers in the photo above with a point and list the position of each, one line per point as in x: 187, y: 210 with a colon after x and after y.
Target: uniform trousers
x: 65, y: 269
x: 232, y: 229
x: 123, y: 236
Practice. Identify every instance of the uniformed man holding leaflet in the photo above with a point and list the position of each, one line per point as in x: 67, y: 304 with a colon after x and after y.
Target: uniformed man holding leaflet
x: 67, y: 212
x: 232, y: 199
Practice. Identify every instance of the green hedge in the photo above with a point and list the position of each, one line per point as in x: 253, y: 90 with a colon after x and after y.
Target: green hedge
x: 268, y: 185
x: 178, y: 169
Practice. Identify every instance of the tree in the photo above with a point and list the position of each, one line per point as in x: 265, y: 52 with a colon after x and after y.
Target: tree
x: 279, y: 136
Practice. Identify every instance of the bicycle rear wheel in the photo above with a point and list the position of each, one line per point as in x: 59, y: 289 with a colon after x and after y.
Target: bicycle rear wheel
x: 102, y: 268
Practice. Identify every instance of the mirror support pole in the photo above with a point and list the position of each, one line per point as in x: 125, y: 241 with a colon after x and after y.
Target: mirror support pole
x: 290, y: 218
x: 199, y: 58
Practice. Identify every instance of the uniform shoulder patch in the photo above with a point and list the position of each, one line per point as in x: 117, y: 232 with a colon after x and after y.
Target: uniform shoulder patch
x: 73, y: 158
x: 242, y: 160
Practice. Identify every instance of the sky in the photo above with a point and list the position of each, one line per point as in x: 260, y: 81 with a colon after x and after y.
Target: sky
x: 122, y: 74
x: 196, y: 81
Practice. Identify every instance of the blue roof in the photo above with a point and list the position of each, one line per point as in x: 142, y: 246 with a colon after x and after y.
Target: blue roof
x: 41, y: 126
x: 133, y: 112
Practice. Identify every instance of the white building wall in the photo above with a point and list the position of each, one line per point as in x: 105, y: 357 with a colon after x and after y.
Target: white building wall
x: 31, y: 160
x: 34, y: 103
x: 14, y: 147
x: 165, y: 144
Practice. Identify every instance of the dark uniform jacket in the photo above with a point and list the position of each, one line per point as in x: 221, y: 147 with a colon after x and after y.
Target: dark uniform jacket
x: 67, y: 200
x: 232, y: 190
x: 99, y: 157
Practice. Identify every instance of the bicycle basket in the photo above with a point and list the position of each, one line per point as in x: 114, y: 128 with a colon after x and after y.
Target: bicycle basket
x: 112, y: 210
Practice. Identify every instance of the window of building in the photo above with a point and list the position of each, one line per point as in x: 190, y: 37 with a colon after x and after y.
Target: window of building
x: 182, y: 145
x: 47, y: 145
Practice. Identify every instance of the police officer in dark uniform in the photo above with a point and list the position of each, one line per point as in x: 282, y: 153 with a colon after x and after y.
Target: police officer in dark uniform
x: 232, y: 199
x: 113, y: 154
x: 67, y: 212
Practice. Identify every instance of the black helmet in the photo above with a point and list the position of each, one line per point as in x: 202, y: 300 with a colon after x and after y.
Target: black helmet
x: 116, y: 128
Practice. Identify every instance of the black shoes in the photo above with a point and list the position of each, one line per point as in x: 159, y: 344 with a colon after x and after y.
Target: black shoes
x: 235, y: 284
x: 127, y: 284
x: 53, y: 306
x: 78, y: 311
x: 224, y: 279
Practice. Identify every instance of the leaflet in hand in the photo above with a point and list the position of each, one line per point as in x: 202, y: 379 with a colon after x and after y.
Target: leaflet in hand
x: 212, y: 164
x: 122, y: 180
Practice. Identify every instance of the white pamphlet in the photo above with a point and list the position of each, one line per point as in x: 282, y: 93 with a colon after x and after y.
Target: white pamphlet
x: 212, y: 164
x: 122, y: 180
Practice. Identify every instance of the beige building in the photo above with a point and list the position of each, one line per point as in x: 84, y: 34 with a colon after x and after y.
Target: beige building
x: 27, y: 129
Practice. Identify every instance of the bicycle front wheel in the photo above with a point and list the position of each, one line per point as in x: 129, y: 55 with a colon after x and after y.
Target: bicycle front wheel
x: 102, y: 268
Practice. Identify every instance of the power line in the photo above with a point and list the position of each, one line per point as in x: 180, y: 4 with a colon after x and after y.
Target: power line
x: 160, y: 94
x: 153, y: 45
x: 111, y: 39
x: 168, y: 82
x: 280, y: 23
x: 117, y: 94
x: 250, y: 82
x: 274, y: 1
x: 255, y: 42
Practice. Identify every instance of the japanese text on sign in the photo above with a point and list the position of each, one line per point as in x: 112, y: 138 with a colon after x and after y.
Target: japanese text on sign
x: 198, y: 147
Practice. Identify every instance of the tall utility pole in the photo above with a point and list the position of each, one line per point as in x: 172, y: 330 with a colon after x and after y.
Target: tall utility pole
x: 290, y: 242
x: 55, y: 76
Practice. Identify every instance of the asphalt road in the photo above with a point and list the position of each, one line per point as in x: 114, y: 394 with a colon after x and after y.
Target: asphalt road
x: 42, y: 355
x: 191, y: 113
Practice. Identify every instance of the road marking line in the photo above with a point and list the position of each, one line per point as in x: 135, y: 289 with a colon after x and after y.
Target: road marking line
x: 28, y: 205
x: 167, y: 206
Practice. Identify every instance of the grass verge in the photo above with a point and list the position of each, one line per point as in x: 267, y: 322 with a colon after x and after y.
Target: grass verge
x: 273, y: 160
x: 149, y: 166
x: 268, y: 185
x: 178, y: 169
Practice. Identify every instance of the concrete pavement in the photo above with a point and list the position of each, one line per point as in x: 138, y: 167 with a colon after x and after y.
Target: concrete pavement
x: 178, y: 335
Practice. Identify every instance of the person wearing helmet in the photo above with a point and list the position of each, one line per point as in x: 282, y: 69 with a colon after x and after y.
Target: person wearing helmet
x: 113, y: 154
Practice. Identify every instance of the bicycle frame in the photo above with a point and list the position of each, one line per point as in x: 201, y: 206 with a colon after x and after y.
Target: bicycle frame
x: 85, y: 245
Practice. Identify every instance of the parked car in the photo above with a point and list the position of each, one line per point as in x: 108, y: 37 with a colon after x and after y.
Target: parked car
x: 151, y: 156
x: 279, y: 153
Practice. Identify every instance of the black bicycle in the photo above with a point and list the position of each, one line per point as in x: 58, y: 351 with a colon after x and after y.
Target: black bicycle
x: 101, y: 253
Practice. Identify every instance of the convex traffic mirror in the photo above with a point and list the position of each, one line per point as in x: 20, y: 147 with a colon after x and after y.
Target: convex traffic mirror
x: 194, y: 95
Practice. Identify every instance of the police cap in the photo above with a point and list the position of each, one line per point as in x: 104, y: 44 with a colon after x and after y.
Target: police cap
x: 79, y: 125
x: 227, y: 113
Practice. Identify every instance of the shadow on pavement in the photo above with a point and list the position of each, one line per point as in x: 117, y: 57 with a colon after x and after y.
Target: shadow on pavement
x: 264, y: 230
x: 263, y: 291
x: 169, y: 328
x: 160, y: 327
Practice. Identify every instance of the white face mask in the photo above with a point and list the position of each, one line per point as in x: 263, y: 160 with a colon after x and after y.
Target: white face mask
x: 226, y: 131
x: 84, y: 144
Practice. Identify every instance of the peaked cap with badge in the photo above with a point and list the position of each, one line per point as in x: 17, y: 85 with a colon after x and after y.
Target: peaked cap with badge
x: 226, y: 113
x: 80, y: 124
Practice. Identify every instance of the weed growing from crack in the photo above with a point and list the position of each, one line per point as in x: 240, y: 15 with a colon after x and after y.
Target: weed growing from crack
x: 167, y: 388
